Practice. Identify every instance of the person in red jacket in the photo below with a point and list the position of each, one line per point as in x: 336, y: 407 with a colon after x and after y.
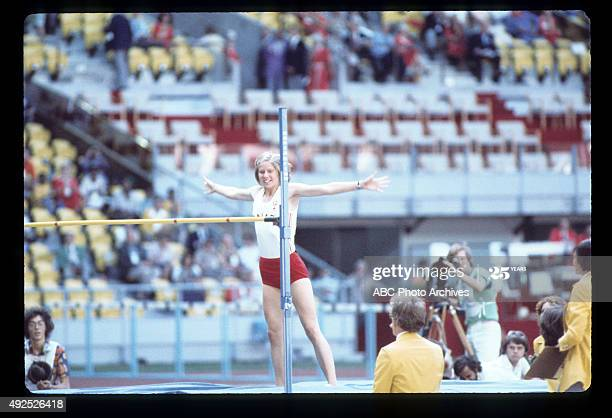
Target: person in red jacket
x: 163, y: 31
x: 66, y: 188
x: 564, y: 233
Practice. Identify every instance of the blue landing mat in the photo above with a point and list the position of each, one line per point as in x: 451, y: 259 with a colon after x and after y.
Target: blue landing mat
x: 347, y: 386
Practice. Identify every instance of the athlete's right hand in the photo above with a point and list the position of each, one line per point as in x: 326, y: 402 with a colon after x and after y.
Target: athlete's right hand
x: 209, y: 186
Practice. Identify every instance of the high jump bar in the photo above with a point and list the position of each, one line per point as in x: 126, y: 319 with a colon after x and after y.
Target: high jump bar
x: 234, y: 219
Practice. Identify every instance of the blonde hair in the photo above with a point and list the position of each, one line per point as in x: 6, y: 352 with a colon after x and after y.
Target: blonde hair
x: 268, y: 157
x: 456, y: 248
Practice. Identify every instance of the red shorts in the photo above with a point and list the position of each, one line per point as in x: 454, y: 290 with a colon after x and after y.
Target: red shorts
x: 270, y: 270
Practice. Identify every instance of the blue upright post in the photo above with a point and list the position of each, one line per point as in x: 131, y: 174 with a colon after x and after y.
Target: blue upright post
x: 178, y: 339
x: 133, y: 342
x: 285, y: 236
x: 88, y: 346
x: 370, y: 340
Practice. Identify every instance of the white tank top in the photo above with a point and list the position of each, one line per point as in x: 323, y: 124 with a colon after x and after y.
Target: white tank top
x: 48, y: 356
x: 268, y: 234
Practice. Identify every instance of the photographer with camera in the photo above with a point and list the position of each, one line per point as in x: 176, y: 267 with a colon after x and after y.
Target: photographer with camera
x: 46, y: 366
x: 481, y: 313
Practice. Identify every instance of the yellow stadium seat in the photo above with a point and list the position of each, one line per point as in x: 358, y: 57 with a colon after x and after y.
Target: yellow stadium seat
x: 40, y: 214
x: 585, y: 63
x: 289, y: 21
x: 28, y: 278
x: 101, y: 293
x: 522, y: 60
x: 97, y: 233
x: 183, y: 61
x: 542, y: 43
x: 108, y: 310
x: 48, y: 276
x: 391, y: 17
x: 33, y: 58
x: 566, y: 62
x: 544, y: 61
x: 518, y: 43
x: 32, y: 298
x: 70, y: 23
x: 63, y: 148
x: 56, y: 60
x: 415, y: 20
x: 160, y: 61
x: 67, y: 214
x: 93, y: 30
x: 36, y: 131
x: 203, y: 61
x: 40, y: 252
x: 138, y: 60
x: 41, y: 149
x: 270, y: 19
x: 58, y: 162
x: 77, y: 293
x: 103, y: 255
x: 163, y: 292
x: 40, y: 191
x: 92, y: 214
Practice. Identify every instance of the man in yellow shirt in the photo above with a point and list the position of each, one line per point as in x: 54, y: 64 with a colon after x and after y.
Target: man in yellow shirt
x: 576, y: 369
x: 411, y: 363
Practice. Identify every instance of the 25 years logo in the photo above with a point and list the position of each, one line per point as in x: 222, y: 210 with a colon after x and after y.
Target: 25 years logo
x: 503, y: 273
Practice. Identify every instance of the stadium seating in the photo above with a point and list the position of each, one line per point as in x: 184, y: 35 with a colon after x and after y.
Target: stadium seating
x: 160, y: 61
x: 71, y: 25
x: 138, y: 61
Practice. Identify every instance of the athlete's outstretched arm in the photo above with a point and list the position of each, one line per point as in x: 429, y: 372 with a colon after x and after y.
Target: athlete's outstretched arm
x: 371, y: 183
x: 227, y: 191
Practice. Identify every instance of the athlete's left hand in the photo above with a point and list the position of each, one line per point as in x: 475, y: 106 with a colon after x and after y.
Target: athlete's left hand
x: 375, y: 184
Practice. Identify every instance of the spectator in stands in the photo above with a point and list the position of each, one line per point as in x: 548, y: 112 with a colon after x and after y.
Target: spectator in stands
x: 576, y: 372
x: 321, y: 72
x: 351, y: 290
x: 94, y: 189
x: 208, y: 259
x: 411, y: 363
x: 260, y: 65
x: 511, y: 364
x: 481, y: 48
x: 467, y: 368
x: 481, y: 313
x: 230, y: 260
x: 43, y: 194
x: 163, y: 31
x: 188, y: 272
x: 564, y: 233
x: 196, y: 237
x: 522, y: 24
x: 275, y: 59
x: 432, y: 33
x: 119, y: 28
x: 408, y: 65
x: 304, y: 155
x: 382, y: 59
x: 368, y: 157
x: 212, y: 40
x: 38, y: 347
x: 120, y: 206
x: 160, y: 254
x: 547, y: 27
x: 94, y: 160
x: 297, y: 61
x: 326, y: 287
x: 28, y: 167
x: 131, y: 256
x: 455, y: 42
x: 156, y: 212
x: 249, y: 256
x: 66, y: 189
x: 140, y: 30
x: 359, y: 49
x: 170, y: 204
x: 72, y: 259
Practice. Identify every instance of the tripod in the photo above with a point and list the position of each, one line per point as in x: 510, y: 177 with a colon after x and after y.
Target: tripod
x: 436, y: 318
